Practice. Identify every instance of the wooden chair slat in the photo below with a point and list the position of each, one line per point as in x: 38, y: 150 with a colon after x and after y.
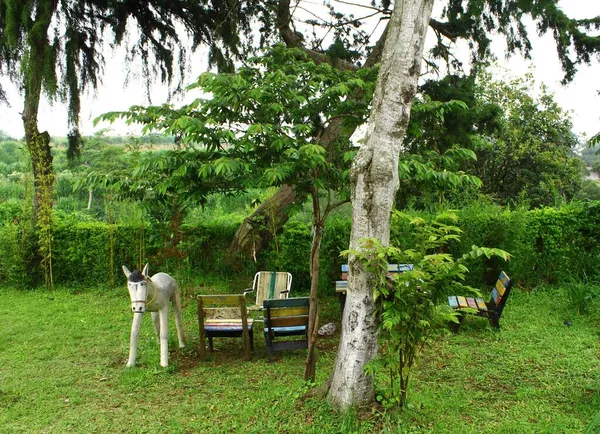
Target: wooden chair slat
x: 496, y: 297
x: 221, y: 300
x: 500, y: 287
x: 285, y: 302
x: 471, y: 302
x: 452, y: 301
x: 289, y: 311
x: 481, y: 304
x: 289, y: 321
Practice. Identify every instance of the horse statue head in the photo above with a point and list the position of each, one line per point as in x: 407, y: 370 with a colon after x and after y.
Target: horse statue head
x: 141, y: 289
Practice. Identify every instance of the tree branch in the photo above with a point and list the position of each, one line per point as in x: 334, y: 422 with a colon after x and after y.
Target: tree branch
x: 294, y: 39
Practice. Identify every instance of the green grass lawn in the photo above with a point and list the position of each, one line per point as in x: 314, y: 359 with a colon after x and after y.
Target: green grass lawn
x: 63, y: 355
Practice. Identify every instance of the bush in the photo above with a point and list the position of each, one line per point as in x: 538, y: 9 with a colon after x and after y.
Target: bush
x: 548, y: 245
x: 10, y: 189
x: 11, y: 210
x: 17, y: 246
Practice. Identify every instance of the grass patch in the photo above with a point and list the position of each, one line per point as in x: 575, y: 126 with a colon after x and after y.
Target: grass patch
x: 539, y: 374
x: 63, y: 355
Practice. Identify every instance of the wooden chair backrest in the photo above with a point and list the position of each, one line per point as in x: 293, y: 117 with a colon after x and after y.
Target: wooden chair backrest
x: 341, y: 286
x: 286, y: 312
x: 501, y: 291
x: 271, y: 285
x: 221, y: 306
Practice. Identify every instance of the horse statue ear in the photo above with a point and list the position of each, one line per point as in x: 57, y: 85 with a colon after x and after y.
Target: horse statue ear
x: 126, y: 271
x: 145, y: 271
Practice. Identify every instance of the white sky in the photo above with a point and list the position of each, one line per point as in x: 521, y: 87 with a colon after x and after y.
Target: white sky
x: 581, y: 96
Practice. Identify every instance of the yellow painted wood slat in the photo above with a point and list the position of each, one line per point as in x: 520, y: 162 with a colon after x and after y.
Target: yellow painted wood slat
x: 227, y: 321
x: 290, y: 321
x: 288, y: 311
x: 221, y: 300
x: 500, y: 287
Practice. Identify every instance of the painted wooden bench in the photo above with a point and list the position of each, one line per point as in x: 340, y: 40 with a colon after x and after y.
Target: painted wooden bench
x: 341, y: 286
x: 492, y: 309
x: 224, y: 316
x: 286, y: 317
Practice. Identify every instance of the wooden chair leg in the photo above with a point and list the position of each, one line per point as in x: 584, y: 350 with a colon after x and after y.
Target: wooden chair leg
x: 494, y: 320
x: 202, y: 349
x: 247, y: 346
x: 210, y: 344
x: 269, y: 345
x: 342, y: 300
x: 454, y: 327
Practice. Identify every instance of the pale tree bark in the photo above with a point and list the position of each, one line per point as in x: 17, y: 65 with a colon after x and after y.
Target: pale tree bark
x: 374, y: 178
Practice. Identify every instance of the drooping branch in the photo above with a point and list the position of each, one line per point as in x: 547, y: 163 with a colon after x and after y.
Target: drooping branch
x: 294, y: 39
x: 258, y: 229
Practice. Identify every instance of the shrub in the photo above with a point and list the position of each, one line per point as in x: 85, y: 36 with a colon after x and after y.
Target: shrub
x: 413, y: 307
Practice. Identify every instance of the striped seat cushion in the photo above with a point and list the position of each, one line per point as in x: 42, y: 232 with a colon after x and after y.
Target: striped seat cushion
x: 213, y: 325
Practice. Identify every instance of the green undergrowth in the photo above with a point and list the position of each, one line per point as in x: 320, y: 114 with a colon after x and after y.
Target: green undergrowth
x: 63, y: 355
x: 539, y: 374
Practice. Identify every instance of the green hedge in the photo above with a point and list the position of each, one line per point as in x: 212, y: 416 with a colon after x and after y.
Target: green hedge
x: 547, y: 246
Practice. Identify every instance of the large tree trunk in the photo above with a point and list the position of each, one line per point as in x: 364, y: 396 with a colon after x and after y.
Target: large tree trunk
x: 374, y: 177
x: 313, y: 314
x: 38, y: 143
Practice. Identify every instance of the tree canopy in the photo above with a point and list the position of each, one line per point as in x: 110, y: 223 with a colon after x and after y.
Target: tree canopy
x: 74, y: 35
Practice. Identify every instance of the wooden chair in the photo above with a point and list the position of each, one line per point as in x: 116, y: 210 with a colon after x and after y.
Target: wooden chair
x: 341, y: 286
x: 269, y: 285
x: 286, y: 317
x: 224, y: 316
x: 492, y: 310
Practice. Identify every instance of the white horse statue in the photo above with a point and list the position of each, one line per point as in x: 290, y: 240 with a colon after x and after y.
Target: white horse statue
x: 153, y: 295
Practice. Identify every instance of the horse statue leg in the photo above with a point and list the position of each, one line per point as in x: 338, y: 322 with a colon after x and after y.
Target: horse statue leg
x: 178, y: 319
x: 133, y: 340
x: 156, y: 322
x: 164, y: 335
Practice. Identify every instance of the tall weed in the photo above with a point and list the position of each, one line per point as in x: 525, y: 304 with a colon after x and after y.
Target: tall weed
x: 582, y: 295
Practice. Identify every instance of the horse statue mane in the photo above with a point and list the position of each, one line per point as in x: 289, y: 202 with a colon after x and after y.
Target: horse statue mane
x: 153, y: 294
x: 136, y: 276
